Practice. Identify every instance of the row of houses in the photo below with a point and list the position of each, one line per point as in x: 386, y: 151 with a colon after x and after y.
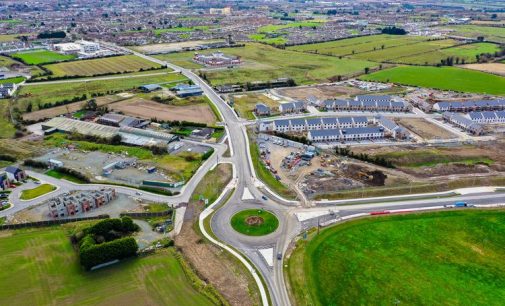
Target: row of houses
x: 487, y: 117
x: 10, y: 175
x: 391, y: 128
x: 464, y: 122
x: 366, y: 103
x: 300, y: 125
x: 349, y: 134
x: 84, y: 201
x: 469, y: 106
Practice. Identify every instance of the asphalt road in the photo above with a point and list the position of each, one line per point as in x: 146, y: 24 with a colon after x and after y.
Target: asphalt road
x: 248, y: 184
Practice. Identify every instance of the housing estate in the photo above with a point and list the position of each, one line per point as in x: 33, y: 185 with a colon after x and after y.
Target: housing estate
x: 464, y: 122
x: 292, y: 107
x: 347, y: 134
x: 81, y: 202
x: 300, y: 125
x: 262, y: 110
x: 366, y: 103
x: 470, y: 106
x: 391, y: 128
x: 487, y: 117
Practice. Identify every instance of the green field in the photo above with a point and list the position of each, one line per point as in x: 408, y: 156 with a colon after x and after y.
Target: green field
x: 445, y: 78
x: 50, y: 93
x: 15, y: 80
x: 38, y: 191
x: 271, y: 28
x: 245, y: 104
x: 7, y: 129
x: 7, y: 61
x: 442, y: 258
x: 264, y: 38
x: 45, y: 270
x: 264, y: 63
x: 38, y: 57
x: 494, y: 34
x: 359, y: 44
x: 182, y: 29
x: 431, y: 157
x: 268, y: 222
x: 115, y: 64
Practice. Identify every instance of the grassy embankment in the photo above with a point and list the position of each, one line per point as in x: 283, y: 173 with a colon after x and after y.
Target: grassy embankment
x: 443, y: 258
x: 45, y: 268
x: 38, y: 191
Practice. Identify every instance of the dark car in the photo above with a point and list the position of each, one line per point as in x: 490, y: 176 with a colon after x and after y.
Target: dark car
x: 264, y: 198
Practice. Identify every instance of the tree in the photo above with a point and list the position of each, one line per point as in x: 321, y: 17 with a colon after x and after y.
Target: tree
x: 367, y: 70
x: 90, y: 105
x: 29, y: 108
x: 116, y: 139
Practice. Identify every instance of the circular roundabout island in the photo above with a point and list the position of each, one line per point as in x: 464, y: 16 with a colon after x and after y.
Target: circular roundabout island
x: 254, y: 222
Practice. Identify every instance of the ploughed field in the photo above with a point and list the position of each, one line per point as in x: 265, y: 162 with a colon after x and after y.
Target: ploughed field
x: 442, y: 258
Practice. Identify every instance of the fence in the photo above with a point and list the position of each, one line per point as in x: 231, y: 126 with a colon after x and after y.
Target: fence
x: 50, y: 222
x: 147, y: 214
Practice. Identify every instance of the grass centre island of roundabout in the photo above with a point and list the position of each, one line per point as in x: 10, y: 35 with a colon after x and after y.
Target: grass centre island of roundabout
x: 254, y: 222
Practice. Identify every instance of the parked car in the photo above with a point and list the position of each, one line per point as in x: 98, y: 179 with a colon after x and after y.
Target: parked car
x: 279, y: 256
x: 264, y: 198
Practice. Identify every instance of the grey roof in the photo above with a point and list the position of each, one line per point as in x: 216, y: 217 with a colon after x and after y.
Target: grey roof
x: 262, y: 107
x: 297, y: 121
x: 385, y: 122
x: 314, y: 121
x: 341, y: 103
x: 475, y: 115
x: 345, y: 120
x: 362, y: 130
x: 360, y: 119
x: 489, y: 115
x: 500, y: 114
x: 373, y: 98
x: 330, y: 120
x: 12, y: 169
x: 323, y: 133
x: 369, y: 103
x: 282, y: 122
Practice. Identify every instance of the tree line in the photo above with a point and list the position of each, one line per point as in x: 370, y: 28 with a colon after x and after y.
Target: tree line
x: 377, y: 160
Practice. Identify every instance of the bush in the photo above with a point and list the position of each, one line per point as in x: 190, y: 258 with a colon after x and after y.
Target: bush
x: 208, y: 154
x: 35, y: 164
x: 95, y: 254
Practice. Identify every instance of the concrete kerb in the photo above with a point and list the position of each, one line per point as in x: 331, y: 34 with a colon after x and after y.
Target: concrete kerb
x: 253, y: 172
x: 205, y: 214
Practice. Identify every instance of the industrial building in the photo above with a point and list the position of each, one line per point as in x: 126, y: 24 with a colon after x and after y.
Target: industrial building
x: 118, y: 120
x: 470, y: 106
x: 366, y: 103
x: 463, y: 122
x: 82, y: 48
x: 129, y: 135
x: 81, y: 202
x: 216, y: 59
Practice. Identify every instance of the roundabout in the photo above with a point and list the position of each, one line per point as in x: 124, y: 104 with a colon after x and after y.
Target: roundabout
x: 254, y: 222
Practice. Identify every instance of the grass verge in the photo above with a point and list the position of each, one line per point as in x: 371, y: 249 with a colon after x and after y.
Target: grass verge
x: 38, y: 191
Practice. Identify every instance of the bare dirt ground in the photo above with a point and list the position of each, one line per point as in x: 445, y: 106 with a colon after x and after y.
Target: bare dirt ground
x: 425, y: 129
x: 65, y: 109
x: 211, y: 263
x: 147, y: 109
x: 319, y: 91
x: 496, y: 68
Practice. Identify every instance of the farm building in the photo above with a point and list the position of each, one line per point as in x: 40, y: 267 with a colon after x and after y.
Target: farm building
x: 150, y: 87
x: 487, y: 117
x: 349, y: 134
x: 185, y: 90
x: 292, y: 107
x: 129, y: 135
x: 118, y: 120
x: 469, y: 106
x: 84, y: 201
x: 464, y: 122
x: 216, y: 59
x: 367, y: 103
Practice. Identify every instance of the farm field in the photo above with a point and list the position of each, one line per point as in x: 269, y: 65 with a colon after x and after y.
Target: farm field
x: 466, y: 53
x: 394, y: 54
x: 494, y: 34
x: 171, y: 47
x: 138, y: 107
x: 496, y: 68
x: 358, y: 44
x: 38, y: 57
x: 51, y: 93
x: 244, y: 104
x: 65, y: 109
x: 45, y: 269
x: 15, y: 80
x: 272, y: 28
x: 10, y: 37
x: 7, y: 61
x: 7, y: 129
x: 444, y: 258
x: 445, y: 78
x: 263, y: 63
x: 90, y: 67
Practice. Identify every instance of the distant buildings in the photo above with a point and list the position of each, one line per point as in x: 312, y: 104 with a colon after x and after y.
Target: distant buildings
x: 220, y: 11
x: 7, y: 89
x: 367, y: 103
x: 469, y: 106
x: 217, y: 59
x: 81, y: 202
x: 81, y: 48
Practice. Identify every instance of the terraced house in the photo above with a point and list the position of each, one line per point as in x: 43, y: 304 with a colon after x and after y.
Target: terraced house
x: 366, y: 103
x: 470, y: 106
